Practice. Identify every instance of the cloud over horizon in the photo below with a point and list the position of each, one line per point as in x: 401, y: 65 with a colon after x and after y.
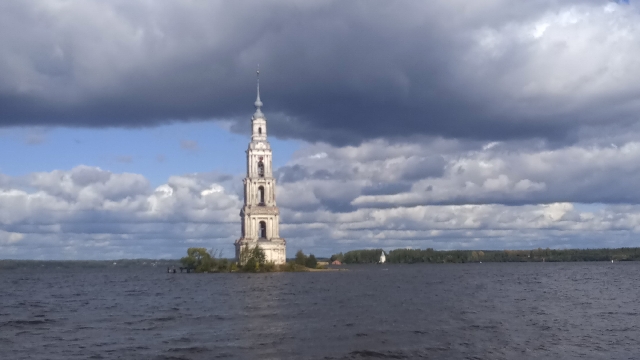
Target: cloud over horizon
x: 334, y: 199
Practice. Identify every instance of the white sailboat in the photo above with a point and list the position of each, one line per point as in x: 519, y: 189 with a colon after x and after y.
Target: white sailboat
x: 383, y: 258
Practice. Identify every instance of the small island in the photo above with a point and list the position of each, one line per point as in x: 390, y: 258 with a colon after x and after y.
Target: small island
x: 200, y: 260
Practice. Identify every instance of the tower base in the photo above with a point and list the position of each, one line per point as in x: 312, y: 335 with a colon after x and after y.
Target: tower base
x: 274, y: 249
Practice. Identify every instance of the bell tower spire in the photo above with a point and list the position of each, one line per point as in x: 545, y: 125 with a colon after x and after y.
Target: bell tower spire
x: 258, y: 103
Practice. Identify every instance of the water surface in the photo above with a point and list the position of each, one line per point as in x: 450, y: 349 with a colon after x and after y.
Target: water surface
x: 431, y: 311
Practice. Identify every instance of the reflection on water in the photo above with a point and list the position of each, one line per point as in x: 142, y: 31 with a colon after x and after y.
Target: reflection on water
x: 484, y: 311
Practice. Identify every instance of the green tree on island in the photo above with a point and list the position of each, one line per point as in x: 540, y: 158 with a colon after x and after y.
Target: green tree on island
x: 304, y: 261
x: 301, y: 258
x: 253, y: 259
x: 200, y: 260
x: 311, y: 262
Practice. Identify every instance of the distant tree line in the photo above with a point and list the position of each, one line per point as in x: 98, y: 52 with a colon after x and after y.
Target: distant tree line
x: 412, y: 256
x: 371, y: 256
x: 85, y: 264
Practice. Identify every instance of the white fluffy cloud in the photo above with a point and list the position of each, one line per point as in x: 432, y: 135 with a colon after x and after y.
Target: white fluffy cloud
x: 379, y: 194
x: 91, y: 212
x: 495, y: 196
x: 469, y: 227
x: 434, y: 172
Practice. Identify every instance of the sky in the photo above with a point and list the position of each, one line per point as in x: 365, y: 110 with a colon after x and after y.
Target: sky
x: 486, y: 124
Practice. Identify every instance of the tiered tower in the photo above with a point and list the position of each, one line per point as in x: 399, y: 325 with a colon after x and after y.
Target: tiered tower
x: 260, y: 215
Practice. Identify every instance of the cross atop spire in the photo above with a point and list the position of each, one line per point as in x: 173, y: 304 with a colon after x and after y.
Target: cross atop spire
x: 258, y: 103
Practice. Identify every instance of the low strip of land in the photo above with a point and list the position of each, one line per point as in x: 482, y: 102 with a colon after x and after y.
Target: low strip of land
x: 411, y: 256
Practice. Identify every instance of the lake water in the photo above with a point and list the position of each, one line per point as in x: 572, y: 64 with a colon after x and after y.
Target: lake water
x: 457, y: 311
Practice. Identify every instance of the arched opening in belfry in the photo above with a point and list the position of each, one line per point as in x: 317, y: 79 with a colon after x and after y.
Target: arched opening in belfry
x: 259, y: 131
x: 261, y: 195
x: 263, y: 230
x: 260, y: 168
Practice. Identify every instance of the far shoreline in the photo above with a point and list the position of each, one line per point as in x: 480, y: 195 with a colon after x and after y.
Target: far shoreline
x: 413, y: 256
x: 372, y: 256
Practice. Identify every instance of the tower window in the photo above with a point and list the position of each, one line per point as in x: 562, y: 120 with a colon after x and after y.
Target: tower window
x: 261, y: 194
x: 263, y: 230
x: 260, y: 168
x: 260, y: 131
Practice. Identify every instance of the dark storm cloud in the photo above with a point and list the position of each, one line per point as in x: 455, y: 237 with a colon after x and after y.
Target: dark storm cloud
x: 335, y: 71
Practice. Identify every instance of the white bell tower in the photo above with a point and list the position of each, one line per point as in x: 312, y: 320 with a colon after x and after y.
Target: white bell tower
x: 260, y: 215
